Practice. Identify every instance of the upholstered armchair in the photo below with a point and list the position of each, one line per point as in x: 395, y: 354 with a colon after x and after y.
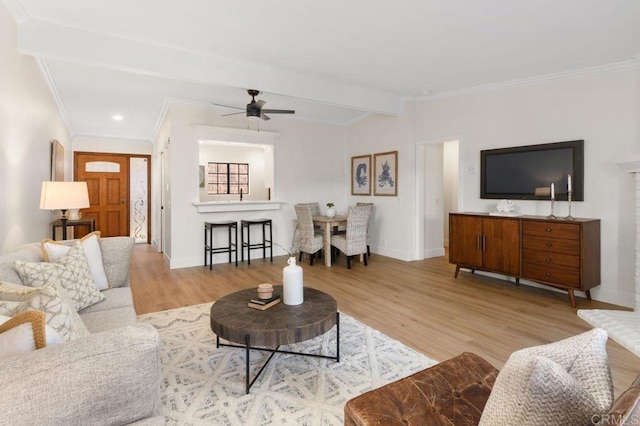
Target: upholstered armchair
x: 309, y: 242
x: 354, y: 241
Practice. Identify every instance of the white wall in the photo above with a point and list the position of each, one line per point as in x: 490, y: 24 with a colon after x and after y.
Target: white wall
x: 393, y: 231
x: 602, y: 109
x: 29, y: 120
x: 310, y: 165
x: 83, y: 143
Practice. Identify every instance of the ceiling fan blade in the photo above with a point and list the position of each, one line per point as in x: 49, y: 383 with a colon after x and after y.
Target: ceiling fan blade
x: 228, y: 106
x: 279, y: 111
x: 264, y: 116
x: 233, y: 113
x: 259, y: 104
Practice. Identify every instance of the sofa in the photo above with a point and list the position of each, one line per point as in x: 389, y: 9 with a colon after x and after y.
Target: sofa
x: 110, y: 377
x: 455, y: 392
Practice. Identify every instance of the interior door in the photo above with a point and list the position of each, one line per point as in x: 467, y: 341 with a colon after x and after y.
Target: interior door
x: 107, y: 177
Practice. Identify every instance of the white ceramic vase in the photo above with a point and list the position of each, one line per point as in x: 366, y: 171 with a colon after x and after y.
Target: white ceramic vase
x: 331, y: 212
x: 293, y: 293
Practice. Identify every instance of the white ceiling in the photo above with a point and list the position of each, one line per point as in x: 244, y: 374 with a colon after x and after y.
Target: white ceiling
x: 332, y: 61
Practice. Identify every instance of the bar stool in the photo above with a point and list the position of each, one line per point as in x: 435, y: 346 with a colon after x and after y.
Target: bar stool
x: 208, y: 244
x: 264, y: 245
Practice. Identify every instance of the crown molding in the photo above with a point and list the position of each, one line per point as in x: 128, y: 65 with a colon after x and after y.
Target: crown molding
x: 16, y: 10
x: 44, y: 69
x: 530, y: 81
x: 137, y: 141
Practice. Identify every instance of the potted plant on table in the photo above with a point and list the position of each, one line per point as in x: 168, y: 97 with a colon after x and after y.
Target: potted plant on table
x: 331, y: 211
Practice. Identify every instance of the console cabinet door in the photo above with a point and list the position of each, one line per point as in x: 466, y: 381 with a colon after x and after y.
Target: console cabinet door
x: 501, y: 245
x: 465, y: 240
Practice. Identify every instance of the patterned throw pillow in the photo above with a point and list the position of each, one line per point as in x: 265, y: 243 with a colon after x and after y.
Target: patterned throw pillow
x: 71, y: 272
x: 61, y: 317
x: 567, y: 382
x: 52, y: 251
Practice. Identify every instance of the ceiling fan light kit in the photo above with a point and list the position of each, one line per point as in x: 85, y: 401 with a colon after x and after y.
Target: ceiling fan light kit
x: 254, y: 109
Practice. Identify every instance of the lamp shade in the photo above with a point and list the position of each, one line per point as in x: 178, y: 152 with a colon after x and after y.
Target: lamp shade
x: 64, y: 196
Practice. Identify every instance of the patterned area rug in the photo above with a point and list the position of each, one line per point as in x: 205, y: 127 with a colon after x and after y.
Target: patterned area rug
x: 205, y: 385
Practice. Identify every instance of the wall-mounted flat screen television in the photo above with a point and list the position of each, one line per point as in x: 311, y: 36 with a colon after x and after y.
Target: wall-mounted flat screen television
x: 527, y: 172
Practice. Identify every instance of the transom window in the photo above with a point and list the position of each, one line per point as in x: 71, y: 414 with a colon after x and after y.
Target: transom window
x: 227, y: 178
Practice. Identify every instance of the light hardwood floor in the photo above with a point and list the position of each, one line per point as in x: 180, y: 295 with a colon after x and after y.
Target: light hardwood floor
x: 418, y: 303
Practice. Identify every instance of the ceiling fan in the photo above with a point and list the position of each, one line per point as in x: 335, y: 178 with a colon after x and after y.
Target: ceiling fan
x: 255, y: 110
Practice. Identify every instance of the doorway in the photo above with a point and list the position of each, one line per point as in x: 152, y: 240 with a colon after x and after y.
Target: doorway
x: 437, y: 194
x: 119, y: 188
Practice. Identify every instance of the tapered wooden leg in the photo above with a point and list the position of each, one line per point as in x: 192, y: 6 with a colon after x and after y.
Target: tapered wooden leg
x: 572, y: 298
x: 365, y: 260
x: 311, y: 256
x: 457, y: 270
x: 517, y: 281
x: 588, y: 293
x: 349, y: 262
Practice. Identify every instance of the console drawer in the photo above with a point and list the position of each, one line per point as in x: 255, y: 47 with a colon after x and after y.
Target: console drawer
x: 554, y: 245
x: 549, y: 259
x: 554, y: 230
x: 562, y: 277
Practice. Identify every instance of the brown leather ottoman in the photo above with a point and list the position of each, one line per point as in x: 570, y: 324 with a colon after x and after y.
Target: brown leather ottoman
x: 453, y: 392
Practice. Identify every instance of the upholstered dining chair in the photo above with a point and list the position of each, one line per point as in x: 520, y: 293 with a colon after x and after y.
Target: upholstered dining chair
x: 308, y: 241
x: 368, y: 224
x: 354, y: 241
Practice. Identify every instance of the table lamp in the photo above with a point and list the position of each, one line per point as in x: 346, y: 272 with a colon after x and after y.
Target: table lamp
x: 65, y: 196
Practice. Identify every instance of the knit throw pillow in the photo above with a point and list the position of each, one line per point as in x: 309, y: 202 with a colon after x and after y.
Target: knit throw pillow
x: 567, y: 382
x: 71, y: 272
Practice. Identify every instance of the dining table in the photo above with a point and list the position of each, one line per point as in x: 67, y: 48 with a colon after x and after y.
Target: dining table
x: 328, y: 223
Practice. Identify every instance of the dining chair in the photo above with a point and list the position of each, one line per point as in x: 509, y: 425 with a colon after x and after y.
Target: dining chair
x: 308, y: 240
x: 368, y: 224
x: 354, y: 241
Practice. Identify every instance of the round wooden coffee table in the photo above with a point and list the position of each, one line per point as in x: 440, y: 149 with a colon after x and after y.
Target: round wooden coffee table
x: 234, y: 321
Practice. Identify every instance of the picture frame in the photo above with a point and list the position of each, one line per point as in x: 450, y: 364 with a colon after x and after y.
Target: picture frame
x: 57, y: 161
x: 361, y: 175
x: 385, y: 173
x: 201, y: 176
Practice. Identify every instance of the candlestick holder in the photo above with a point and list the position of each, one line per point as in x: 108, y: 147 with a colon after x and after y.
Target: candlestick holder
x: 552, y: 216
x: 569, y: 217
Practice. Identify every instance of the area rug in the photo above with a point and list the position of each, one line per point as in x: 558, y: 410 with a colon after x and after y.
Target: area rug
x: 205, y: 385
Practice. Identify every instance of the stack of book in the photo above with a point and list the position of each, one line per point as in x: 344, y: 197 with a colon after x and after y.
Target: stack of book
x: 263, y: 304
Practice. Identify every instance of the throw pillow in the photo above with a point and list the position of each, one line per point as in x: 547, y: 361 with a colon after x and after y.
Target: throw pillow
x: 60, y: 316
x: 25, y: 333
x: 52, y: 251
x: 71, y: 272
x: 567, y: 382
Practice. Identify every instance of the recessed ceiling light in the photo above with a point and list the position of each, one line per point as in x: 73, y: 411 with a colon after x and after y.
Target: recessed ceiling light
x: 117, y: 117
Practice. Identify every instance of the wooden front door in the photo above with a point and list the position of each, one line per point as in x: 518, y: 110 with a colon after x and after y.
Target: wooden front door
x: 107, y: 177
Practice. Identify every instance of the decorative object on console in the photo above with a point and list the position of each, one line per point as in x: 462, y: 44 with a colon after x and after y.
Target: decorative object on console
x: 553, y: 199
x: 293, y: 291
x: 386, y: 173
x: 65, y: 196
x: 505, y: 208
x: 569, y: 192
x: 331, y: 211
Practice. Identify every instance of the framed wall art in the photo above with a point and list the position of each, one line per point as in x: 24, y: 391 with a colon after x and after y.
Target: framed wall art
x: 57, y: 161
x: 361, y: 175
x: 385, y: 173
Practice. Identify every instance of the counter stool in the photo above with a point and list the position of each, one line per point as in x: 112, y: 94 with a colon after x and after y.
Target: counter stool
x: 264, y: 245
x: 208, y: 243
